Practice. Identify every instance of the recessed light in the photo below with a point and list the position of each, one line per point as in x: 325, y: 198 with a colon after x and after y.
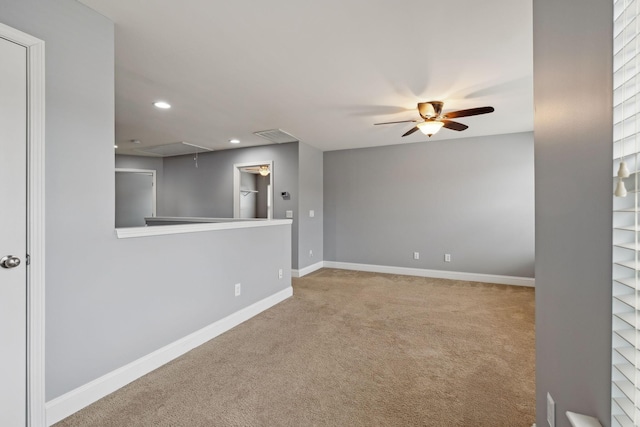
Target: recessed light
x: 234, y: 141
x: 162, y: 104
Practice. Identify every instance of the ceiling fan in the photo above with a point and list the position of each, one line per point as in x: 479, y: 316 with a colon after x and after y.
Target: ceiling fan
x: 263, y: 170
x: 433, y: 119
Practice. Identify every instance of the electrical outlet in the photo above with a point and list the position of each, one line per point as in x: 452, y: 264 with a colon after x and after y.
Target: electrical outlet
x: 280, y: 274
x: 551, y: 411
x: 447, y: 257
x: 288, y: 214
x: 237, y: 289
x: 416, y: 255
x: 310, y: 253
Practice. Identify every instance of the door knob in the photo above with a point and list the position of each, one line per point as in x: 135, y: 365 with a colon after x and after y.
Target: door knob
x: 10, y: 261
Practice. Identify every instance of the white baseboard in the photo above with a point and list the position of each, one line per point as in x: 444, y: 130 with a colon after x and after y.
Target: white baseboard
x: 307, y: 270
x: 436, y: 274
x: 71, y: 402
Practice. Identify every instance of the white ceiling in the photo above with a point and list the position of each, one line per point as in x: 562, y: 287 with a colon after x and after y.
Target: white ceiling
x: 324, y: 71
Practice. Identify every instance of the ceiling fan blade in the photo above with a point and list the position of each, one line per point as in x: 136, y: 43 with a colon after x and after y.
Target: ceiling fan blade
x: 469, y: 112
x: 449, y: 124
x: 401, y: 121
x: 410, y: 131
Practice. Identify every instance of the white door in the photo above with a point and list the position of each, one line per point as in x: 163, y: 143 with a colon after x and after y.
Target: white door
x: 135, y: 197
x: 13, y: 233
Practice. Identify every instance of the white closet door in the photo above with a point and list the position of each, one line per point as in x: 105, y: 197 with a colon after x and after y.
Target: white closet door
x: 13, y: 226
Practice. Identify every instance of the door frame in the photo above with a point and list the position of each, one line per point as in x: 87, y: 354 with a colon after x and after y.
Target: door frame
x: 35, y: 401
x: 236, y: 186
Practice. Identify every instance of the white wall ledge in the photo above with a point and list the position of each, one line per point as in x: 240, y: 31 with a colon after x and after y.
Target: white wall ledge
x: 579, y: 420
x: 199, y: 225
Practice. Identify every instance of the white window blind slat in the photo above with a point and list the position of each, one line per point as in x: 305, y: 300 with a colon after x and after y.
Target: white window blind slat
x: 624, y: 421
x: 632, y: 265
x: 627, y: 407
x: 629, y: 299
x: 628, y: 389
x: 628, y: 353
x: 629, y: 335
x: 627, y: 370
x: 634, y: 227
x: 627, y: 281
x: 629, y: 317
x: 631, y: 246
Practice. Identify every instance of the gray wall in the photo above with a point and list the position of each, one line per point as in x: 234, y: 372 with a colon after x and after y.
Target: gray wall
x: 471, y: 197
x: 207, y: 191
x: 310, y: 230
x: 573, y: 151
x: 111, y: 301
x: 140, y: 162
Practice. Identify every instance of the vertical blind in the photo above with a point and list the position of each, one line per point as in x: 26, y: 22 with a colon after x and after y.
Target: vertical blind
x: 626, y: 230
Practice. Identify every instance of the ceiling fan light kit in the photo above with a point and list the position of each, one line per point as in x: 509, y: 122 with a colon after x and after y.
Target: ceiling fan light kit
x: 430, y: 127
x: 432, y: 118
x: 264, y: 170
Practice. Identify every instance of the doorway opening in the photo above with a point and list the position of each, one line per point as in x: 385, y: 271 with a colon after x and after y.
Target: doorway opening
x: 253, y: 190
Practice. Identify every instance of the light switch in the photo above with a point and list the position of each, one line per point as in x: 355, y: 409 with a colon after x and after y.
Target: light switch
x: 288, y: 214
x: 312, y: 213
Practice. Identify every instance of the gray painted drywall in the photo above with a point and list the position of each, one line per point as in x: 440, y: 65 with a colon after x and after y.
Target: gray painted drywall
x: 472, y: 198
x: 207, y: 191
x: 110, y: 301
x: 149, y: 163
x: 310, y: 230
x: 573, y: 150
x: 140, y: 162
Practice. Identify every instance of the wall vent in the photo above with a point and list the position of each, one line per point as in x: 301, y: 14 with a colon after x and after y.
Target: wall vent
x: 173, y: 149
x: 276, y: 135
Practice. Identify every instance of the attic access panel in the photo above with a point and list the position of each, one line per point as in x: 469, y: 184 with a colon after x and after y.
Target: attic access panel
x: 173, y: 149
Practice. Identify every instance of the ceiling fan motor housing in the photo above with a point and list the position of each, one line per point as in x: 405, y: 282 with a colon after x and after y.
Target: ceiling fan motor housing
x: 430, y: 110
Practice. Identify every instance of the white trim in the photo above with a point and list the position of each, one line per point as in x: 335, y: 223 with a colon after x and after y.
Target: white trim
x: 160, y: 230
x: 153, y: 183
x: 307, y: 270
x: 36, y: 222
x: 436, y: 274
x: 71, y: 402
x: 236, y: 186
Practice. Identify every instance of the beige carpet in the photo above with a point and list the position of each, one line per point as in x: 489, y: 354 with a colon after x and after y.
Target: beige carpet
x: 351, y: 349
